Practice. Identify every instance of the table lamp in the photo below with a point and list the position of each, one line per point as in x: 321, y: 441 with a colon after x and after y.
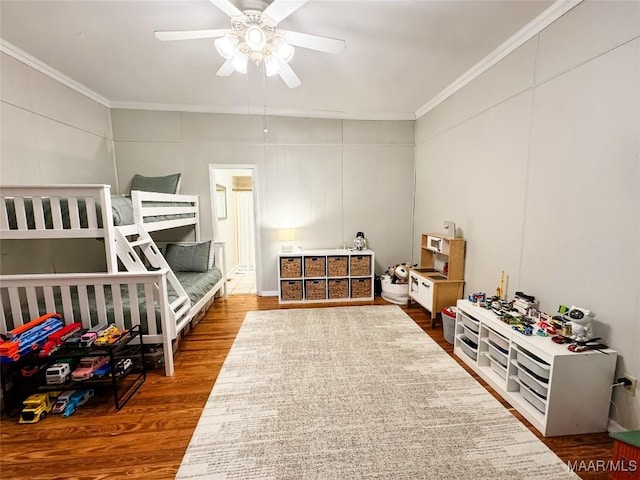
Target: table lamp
x: 287, y: 236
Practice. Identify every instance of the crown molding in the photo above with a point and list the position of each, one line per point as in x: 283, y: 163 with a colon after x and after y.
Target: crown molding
x: 546, y: 18
x: 279, y: 112
x: 33, y: 62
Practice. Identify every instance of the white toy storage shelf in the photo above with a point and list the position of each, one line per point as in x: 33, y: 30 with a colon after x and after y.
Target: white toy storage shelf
x: 560, y: 392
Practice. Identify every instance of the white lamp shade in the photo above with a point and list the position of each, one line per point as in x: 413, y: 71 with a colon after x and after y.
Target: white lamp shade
x: 239, y: 62
x: 226, y: 45
x: 285, y: 52
x: 287, y: 235
x: 271, y: 65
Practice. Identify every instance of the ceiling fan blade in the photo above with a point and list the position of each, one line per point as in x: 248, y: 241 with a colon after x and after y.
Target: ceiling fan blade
x: 315, y: 42
x: 168, y: 35
x: 281, y: 9
x: 226, y: 69
x: 289, y: 76
x: 227, y: 7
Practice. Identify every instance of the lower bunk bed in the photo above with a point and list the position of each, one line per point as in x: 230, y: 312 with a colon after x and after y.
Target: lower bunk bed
x: 125, y: 299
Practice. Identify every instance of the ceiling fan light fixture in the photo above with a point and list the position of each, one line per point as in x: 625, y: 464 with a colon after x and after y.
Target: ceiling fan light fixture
x: 272, y: 66
x: 255, y: 38
x: 239, y: 62
x: 226, y: 45
x: 285, y: 51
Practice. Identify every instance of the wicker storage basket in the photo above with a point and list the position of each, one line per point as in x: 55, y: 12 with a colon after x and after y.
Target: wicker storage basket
x: 315, y: 289
x: 360, y: 265
x: 338, y: 288
x: 291, y: 289
x: 337, y: 266
x: 360, y: 287
x: 290, y: 267
x: 314, y: 266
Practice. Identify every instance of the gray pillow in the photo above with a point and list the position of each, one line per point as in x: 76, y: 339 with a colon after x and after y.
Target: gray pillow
x: 188, y: 258
x: 168, y: 184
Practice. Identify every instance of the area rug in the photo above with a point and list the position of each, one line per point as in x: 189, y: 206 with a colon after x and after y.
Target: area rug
x: 354, y: 393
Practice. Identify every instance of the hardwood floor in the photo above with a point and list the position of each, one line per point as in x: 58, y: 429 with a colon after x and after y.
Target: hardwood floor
x: 148, y: 437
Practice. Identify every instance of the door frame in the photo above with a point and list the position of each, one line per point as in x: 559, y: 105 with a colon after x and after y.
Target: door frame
x: 256, y: 210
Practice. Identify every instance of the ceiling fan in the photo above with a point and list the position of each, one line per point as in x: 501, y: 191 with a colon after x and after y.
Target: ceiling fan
x: 254, y: 35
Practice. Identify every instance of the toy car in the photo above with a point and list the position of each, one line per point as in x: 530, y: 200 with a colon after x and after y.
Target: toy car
x: 30, y: 370
x: 104, y: 335
x: 123, y: 365
x: 102, y: 371
x: 87, y: 367
x: 36, y: 407
x: 62, y: 401
x: 77, y: 399
x: 58, y: 374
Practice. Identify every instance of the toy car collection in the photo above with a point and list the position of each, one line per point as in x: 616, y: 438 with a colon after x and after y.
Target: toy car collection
x: 46, y: 353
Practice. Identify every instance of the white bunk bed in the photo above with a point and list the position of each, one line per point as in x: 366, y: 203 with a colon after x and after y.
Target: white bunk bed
x: 156, y: 299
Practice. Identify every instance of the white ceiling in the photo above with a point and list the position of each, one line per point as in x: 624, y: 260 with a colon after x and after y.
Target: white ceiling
x: 400, y: 54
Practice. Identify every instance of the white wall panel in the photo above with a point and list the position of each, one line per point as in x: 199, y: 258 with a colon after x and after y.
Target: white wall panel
x: 379, y: 132
x: 138, y: 125
x: 19, y: 164
x: 594, y: 27
x: 220, y: 128
x: 436, y: 121
x: 300, y: 130
x: 509, y: 77
x: 475, y: 176
x: 559, y: 163
x: 378, y: 200
x: 14, y: 82
x: 582, y: 233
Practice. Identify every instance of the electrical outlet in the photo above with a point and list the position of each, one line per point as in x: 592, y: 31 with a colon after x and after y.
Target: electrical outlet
x: 630, y: 389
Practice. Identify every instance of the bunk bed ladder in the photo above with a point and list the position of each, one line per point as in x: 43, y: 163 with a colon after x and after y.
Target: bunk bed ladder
x: 128, y: 249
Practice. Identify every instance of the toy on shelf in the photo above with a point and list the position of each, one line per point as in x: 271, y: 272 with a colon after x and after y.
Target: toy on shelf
x: 55, y: 340
x: 87, y: 367
x: 77, y: 399
x: 359, y: 243
x: 36, y: 408
x: 580, y: 321
x: 28, y: 337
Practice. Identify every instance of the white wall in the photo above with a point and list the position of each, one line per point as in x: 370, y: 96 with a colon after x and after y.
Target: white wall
x: 51, y: 134
x: 538, y: 163
x: 326, y: 178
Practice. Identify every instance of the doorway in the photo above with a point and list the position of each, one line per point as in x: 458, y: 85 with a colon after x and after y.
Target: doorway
x: 234, y: 209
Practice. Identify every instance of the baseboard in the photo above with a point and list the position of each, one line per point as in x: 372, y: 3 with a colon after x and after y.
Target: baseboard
x: 269, y: 293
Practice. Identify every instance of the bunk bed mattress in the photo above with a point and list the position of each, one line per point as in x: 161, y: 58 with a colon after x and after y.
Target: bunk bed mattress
x: 121, y: 209
x: 196, y: 284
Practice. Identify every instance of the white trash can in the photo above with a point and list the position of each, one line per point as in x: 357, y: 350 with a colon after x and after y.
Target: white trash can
x: 449, y: 323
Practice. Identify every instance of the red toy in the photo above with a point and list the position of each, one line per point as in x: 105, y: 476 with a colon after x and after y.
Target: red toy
x: 56, y: 339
